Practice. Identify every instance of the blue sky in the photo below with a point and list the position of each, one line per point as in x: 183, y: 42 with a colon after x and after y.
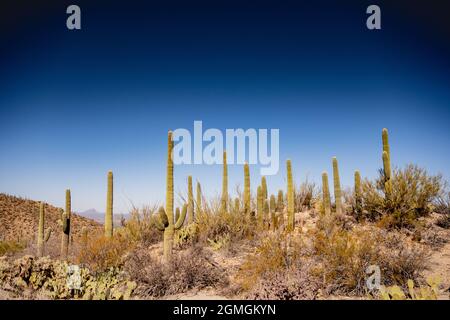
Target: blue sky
x: 75, y: 104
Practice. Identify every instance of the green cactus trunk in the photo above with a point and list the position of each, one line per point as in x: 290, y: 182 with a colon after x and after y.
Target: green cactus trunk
x: 337, y: 187
x: 260, y: 206
x: 40, y: 242
x: 358, y: 195
x: 280, y: 201
x: 273, y: 209
x: 326, y: 194
x: 247, y: 199
x: 264, y: 188
x: 224, y: 200
x: 190, y: 203
x: 165, y: 222
x: 290, y: 197
x: 84, y: 237
x: 109, y: 207
x: 65, y: 217
x: 198, y: 205
x: 266, y: 210
x: 177, y: 213
x: 386, y: 165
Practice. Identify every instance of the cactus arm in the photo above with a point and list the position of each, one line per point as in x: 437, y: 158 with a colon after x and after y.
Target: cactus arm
x: 180, y: 221
x: 48, y: 234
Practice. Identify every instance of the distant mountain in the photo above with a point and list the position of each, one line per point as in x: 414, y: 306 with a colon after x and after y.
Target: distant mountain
x: 100, y: 216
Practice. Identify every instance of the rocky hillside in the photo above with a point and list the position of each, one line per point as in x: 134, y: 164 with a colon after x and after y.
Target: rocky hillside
x: 19, y: 220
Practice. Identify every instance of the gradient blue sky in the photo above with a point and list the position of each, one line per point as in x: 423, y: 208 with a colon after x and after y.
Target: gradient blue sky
x: 75, y: 104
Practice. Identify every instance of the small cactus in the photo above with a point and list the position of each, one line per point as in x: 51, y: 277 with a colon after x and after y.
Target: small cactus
x: 224, y: 200
x: 358, y: 195
x: 109, y: 207
x: 273, y: 209
x: 386, y: 164
x: 84, y: 237
x: 65, y: 222
x: 266, y: 211
x: 326, y: 194
x: 247, y: 200
x: 290, y: 197
x: 190, y: 204
x: 337, y: 187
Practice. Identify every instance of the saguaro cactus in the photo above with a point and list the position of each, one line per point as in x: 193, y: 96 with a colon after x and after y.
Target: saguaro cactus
x: 166, y: 221
x: 337, y: 187
x: 266, y: 210
x: 247, y: 208
x: 273, y: 209
x: 264, y: 187
x: 386, y: 164
x: 198, y: 204
x: 84, y: 237
x: 290, y: 197
x: 358, y: 194
x: 190, y: 204
x: 280, y: 201
x: 109, y: 207
x: 65, y: 221
x: 42, y: 236
x: 224, y: 200
x: 326, y: 194
x: 260, y: 205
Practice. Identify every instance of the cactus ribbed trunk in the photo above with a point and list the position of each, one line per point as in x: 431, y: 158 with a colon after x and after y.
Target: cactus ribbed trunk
x: 358, y: 195
x: 264, y: 188
x: 224, y: 201
x: 109, y: 207
x: 280, y: 201
x: 168, y: 232
x: 326, y: 194
x: 260, y: 206
x: 290, y: 197
x: 247, y: 208
x: 337, y: 187
x: 273, y: 209
x: 386, y: 164
x: 198, y: 205
x: 65, y: 217
x: 190, y: 207
x: 40, y: 242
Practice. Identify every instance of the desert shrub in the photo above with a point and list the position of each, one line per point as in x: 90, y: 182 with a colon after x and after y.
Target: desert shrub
x: 342, y: 257
x: 413, y: 192
x: 304, y: 196
x: 277, y: 251
x: 10, y: 247
x: 101, y: 253
x: 294, y: 283
x: 444, y: 221
x: 215, y: 225
x: 140, y: 227
x: 187, y: 270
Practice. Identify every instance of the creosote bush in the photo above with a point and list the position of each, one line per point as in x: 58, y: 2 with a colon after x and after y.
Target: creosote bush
x: 102, y: 253
x: 140, y: 227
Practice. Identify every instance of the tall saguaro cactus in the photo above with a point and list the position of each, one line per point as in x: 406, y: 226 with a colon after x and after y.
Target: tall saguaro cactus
x: 166, y: 221
x: 198, y: 204
x: 247, y: 208
x: 386, y: 164
x: 358, y: 194
x: 224, y: 200
x: 337, y: 187
x: 109, y: 207
x: 264, y: 187
x: 290, y: 197
x: 190, y: 207
x: 65, y: 219
x: 42, y: 236
x: 326, y: 194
